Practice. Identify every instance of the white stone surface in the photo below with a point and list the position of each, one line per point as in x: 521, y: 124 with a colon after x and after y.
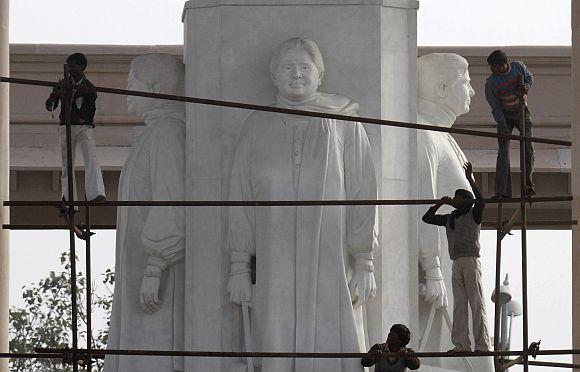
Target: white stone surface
x: 444, y: 93
x: 370, y: 56
x: 149, y: 295
x: 314, y: 266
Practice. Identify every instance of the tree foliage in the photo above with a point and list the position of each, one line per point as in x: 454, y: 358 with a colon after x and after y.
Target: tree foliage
x: 46, y: 319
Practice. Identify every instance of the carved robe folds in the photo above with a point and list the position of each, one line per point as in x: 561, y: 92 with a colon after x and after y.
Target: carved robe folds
x: 154, y: 171
x: 305, y: 256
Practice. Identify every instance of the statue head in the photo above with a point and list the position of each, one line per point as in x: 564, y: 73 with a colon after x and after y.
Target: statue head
x: 297, y: 69
x: 154, y: 73
x: 443, y: 79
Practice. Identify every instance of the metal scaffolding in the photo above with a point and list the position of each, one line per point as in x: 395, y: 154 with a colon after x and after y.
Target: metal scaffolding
x: 83, y: 357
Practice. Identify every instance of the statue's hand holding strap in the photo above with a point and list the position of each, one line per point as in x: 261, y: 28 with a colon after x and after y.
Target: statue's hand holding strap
x: 436, y: 292
x: 240, y: 282
x: 362, y: 286
x: 149, y: 294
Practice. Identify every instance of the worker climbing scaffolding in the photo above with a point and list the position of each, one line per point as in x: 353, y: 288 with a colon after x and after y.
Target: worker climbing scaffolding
x: 81, y: 113
x: 507, y: 94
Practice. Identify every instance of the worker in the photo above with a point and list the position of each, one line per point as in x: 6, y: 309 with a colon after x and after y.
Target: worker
x: 504, y: 93
x: 462, y: 227
x: 81, y: 123
x: 398, y: 338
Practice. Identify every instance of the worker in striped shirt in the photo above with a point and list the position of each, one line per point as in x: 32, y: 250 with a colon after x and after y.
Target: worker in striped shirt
x: 503, y: 93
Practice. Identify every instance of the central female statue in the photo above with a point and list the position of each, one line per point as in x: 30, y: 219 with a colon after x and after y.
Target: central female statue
x: 314, y: 265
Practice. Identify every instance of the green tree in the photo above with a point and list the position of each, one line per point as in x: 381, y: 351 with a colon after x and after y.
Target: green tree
x: 46, y: 319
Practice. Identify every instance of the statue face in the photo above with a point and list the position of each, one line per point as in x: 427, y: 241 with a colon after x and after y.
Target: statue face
x: 459, y: 95
x: 297, y: 77
x: 137, y: 105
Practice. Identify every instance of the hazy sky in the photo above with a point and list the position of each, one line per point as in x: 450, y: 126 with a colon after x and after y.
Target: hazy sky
x: 440, y: 22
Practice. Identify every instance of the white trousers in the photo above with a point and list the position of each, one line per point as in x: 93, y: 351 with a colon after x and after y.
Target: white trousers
x: 81, y: 135
x: 467, y: 288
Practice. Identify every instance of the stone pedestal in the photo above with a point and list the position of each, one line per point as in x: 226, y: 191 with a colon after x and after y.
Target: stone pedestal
x: 369, y: 49
x: 576, y: 176
x: 4, y: 183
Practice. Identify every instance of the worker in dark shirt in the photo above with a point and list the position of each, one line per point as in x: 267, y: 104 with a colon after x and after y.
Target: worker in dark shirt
x: 463, y: 226
x: 397, y: 340
x: 82, y: 124
x: 503, y: 94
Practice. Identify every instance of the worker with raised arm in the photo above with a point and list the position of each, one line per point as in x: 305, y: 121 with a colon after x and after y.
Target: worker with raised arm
x: 462, y: 227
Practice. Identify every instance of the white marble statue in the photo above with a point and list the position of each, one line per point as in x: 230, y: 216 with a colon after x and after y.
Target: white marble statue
x: 444, y: 93
x: 149, y: 272
x: 314, y: 265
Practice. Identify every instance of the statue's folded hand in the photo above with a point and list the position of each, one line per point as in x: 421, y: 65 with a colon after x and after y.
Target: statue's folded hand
x: 240, y: 288
x: 149, y: 294
x: 362, y: 287
x: 436, y: 291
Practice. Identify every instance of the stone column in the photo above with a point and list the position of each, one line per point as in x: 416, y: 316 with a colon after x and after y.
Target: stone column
x: 4, y: 188
x: 397, y: 274
x: 576, y: 176
x: 370, y: 51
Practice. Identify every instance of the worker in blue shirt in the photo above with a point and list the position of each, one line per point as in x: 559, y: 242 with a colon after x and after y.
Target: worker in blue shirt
x: 503, y: 93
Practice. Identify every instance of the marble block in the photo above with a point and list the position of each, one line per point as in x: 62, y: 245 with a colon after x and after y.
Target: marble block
x: 369, y: 50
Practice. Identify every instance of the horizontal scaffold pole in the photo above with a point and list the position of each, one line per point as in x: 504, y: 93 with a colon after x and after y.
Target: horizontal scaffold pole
x: 235, y: 354
x: 248, y: 106
x: 262, y: 203
x: 112, y: 226
x: 549, y: 364
x: 31, y: 355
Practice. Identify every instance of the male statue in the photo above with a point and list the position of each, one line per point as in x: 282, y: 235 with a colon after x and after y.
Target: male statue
x: 314, y: 265
x: 444, y: 93
x: 148, y: 303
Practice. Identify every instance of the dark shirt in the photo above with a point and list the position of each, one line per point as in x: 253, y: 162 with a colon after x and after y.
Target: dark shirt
x: 411, y: 362
x: 462, y: 227
x: 83, y: 115
x: 432, y: 218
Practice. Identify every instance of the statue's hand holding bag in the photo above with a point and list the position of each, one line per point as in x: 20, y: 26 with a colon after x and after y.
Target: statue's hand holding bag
x: 240, y: 283
x: 149, y: 293
x: 362, y: 285
x: 435, y: 288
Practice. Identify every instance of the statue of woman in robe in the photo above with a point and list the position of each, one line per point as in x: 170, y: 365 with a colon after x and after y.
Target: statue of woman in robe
x: 314, y: 265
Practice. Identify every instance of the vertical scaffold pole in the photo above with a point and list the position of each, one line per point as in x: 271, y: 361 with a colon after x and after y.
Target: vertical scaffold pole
x: 67, y: 106
x: 4, y: 184
x: 89, y: 287
x: 523, y: 217
x: 496, y: 318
